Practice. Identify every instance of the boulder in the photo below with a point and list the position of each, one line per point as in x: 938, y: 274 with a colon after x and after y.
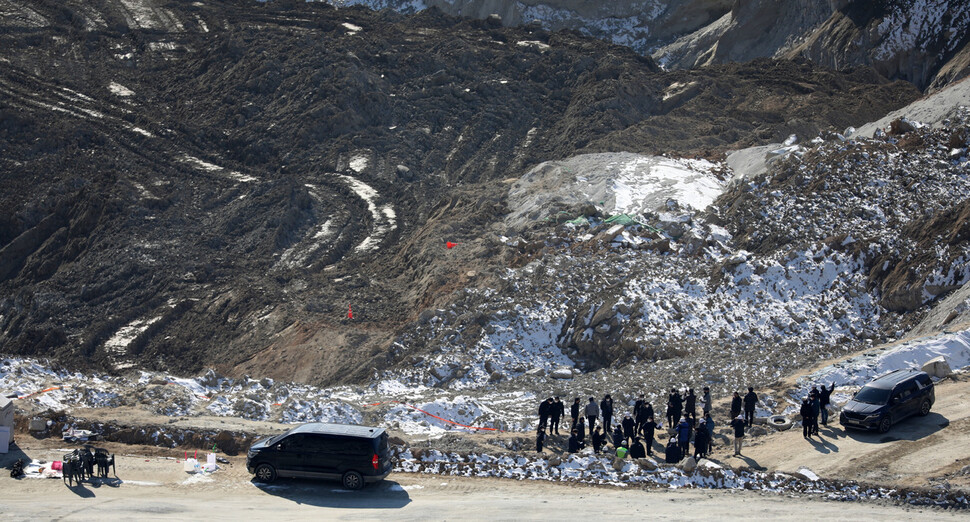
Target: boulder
x: 937, y: 367
x: 688, y: 465
x: 901, y: 126
x: 226, y: 442
x: 618, y: 464
x: 757, y: 431
x: 647, y: 463
x: 562, y: 373
x: 555, y: 461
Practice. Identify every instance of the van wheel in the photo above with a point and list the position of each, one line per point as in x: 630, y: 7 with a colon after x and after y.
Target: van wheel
x: 885, y: 424
x: 265, y: 473
x: 353, y: 480
x: 924, y: 408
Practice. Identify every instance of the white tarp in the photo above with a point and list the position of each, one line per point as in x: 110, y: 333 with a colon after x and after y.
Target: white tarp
x: 6, y: 423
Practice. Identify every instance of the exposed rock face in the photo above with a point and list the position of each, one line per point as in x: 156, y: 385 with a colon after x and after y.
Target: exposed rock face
x: 640, y: 24
x: 918, y: 41
x: 921, y: 42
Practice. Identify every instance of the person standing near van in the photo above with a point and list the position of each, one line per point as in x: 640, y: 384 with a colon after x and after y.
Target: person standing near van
x: 825, y: 398
x: 750, y: 401
x: 706, y: 401
x: 574, y: 411
x: 592, y: 412
x: 806, y: 412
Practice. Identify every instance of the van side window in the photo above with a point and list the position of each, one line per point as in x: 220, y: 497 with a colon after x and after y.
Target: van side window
x: 295, y: 442
x: 924, y: 381
x: 907, y: 390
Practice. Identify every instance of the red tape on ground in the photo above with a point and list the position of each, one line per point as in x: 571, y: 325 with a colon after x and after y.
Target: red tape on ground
x: 429, y: 414
x: 45, y: 390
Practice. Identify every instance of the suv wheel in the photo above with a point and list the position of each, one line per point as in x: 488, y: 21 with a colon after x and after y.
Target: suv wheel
x: 924, y: 408
x: 885, y: 424
x: 265, y: 473
x: 353, y: 480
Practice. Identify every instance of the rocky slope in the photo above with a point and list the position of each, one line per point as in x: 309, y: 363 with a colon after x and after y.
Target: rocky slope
x: 922, y: 41
x: 213, y: 185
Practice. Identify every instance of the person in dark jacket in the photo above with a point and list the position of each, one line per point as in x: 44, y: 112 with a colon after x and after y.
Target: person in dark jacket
x: 540, y: 438
x: 735, y: 405
x: 806, y: 412
x: 629, y: 428
x: 675, y: 406
x: 738, y: 425
x: 617, y: 435
x: 690, y: 406
x: 641, y: 402
x: 683, y: 435
x: 636, y: 449
x: 581, y: 431
x: 673, y: 454
x: 599, y: 439
x: 573, y: 445
x: 814, y: 402
x: 709, y: 424
x: 825, y: 398
x: 706, y: 402
x: 750, y: 401
x: 648, y: 430
x: 545, y: 408
x: 574, y: 411
x: 558, y: 410
x: 702, y: 440
x: 645, y: 412
x: 606, y: 409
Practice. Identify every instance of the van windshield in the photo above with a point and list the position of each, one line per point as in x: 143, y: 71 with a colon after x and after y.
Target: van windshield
x: 870, y: 395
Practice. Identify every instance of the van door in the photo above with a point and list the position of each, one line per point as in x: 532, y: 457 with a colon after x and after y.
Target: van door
x: 328, y: 454
x: 907, y: 400
x: 292, y: 454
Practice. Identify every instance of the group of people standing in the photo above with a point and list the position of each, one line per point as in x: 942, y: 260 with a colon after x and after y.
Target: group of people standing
x: 634, y: 435
x: 813, y: 405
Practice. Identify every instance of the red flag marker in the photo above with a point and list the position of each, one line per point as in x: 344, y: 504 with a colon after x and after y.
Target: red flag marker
x: 451, y: 245
x: 350, y: 312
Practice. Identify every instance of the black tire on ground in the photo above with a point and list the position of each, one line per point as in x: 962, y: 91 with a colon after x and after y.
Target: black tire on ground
x: 885, y: 424
x: 265, y: 473
x: 924, y: 408
x: 353, y: 480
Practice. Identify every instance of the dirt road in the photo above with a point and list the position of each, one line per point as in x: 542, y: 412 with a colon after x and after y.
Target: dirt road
x: 917, y: 452
x: 155, y: 488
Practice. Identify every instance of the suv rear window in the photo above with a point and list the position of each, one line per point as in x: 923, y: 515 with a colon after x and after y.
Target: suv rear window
x: 870, y: 395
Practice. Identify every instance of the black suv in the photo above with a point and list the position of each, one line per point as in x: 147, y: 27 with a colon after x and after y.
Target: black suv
x: 353, y: 454
x: 888, y: 400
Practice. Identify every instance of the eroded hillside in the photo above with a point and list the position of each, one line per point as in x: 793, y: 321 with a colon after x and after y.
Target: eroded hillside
x: 192, y: 185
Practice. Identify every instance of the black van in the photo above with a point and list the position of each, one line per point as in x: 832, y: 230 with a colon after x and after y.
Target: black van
x: 353, y: 454
x: 888, y: 400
